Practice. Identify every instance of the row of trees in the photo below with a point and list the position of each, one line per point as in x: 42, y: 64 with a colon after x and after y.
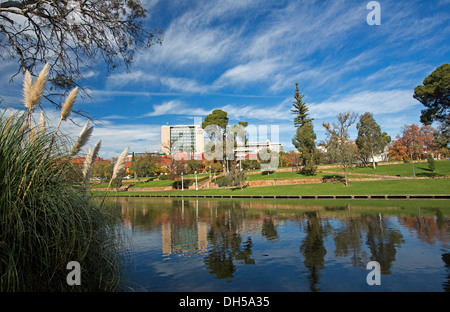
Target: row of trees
x: 415, y: 142
x: 150, y: 165
x: 338, y: 147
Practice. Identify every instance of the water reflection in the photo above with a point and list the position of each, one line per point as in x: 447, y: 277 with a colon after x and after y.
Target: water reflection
x: 229, y: 235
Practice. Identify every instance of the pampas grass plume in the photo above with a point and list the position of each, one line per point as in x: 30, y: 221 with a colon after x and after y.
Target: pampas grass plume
x: 68, y: 104
x: 33, y: 92
x: 89, y: 161
x: 120, y: 164
x: 27, y: 90
x: 83, y: 138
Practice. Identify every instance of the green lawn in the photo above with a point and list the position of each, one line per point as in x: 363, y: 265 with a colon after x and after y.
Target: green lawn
x: 403, y: 170
x: 293, y: 175
x: 156, y: 183
x: 400, y: 170
x: 422, y: 186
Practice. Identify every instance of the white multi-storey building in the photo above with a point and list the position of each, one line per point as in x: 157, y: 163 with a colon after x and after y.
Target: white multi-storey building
x: 182, y: 139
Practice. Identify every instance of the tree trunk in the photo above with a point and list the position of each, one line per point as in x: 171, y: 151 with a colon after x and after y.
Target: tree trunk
x: 373, y: 161
x: 345, y: 175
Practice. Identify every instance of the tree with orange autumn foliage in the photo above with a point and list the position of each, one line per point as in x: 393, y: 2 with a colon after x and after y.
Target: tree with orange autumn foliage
x: 414, y: 143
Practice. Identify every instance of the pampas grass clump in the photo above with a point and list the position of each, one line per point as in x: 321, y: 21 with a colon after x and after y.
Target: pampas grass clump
x: 47, y: 218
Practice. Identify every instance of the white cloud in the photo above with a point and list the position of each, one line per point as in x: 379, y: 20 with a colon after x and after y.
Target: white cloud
x: 268, y: 113
x: 185, y: 85
x: 188, y: 40
x: 175, y: 107
x: 250, y: 72
x: 134, y: 77
x: 376, y: 102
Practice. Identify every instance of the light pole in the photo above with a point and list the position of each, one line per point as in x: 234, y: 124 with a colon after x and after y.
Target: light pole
x: 196, y: 185
x: 412, y: 159
x: 182, y: 185
x: 275, y: 172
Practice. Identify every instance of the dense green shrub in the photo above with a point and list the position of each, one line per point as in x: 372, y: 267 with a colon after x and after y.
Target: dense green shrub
x: 186, y: 184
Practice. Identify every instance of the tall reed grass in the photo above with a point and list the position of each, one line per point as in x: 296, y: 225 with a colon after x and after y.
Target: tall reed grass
x: 47, y: 218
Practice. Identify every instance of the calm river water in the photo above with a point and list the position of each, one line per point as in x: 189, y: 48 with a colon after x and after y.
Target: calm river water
x: 285, y: 245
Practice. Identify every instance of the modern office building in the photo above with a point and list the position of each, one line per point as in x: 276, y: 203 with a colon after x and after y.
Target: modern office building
x: 182, y: 139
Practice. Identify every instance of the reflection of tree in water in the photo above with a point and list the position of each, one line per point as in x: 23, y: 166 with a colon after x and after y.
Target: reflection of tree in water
x: 382, y: 242
x: 269, y: 230
x: 313, y: 249
x: 226, y: 244
x: 348, y: 241
x: 429, y: 228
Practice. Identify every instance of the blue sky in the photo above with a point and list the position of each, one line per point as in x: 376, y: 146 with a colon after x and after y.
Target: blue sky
x: 245, y: 57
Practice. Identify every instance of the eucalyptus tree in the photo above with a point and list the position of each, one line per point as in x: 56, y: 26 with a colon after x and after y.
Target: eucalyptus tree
x: 370, y: 141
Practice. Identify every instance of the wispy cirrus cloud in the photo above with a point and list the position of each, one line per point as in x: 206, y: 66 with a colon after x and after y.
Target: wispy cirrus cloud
x: 377, y: 102
x: 248, y: 73
x: 175, y: 107
x: 186, y: 85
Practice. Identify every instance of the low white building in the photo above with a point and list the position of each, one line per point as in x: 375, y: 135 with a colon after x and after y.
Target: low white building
x: 251, y: 149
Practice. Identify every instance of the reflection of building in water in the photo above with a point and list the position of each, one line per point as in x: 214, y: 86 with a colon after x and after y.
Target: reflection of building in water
x: 178, y: 239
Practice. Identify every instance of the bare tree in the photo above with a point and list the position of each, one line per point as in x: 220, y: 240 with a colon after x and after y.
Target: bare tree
x: 72, y: 35
x: 339, y: 147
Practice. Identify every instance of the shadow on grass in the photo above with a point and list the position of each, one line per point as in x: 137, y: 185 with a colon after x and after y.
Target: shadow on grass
x: 428, y: 174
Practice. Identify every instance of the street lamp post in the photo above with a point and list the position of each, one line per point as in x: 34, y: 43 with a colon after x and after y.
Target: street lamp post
x: 196, y: 185
x: 182, y: 185
x: 412, y: 159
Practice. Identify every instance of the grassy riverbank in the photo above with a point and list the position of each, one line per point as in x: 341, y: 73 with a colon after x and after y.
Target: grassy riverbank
x: 388, y: 187
x: 421, y: 169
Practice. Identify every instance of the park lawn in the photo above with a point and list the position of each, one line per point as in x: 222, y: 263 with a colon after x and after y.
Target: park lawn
x: 199, y: 175
x: 389, y: 187
x: 402, y: 170
x: 99, y: 185
x: 154, y: 183
x: 294, y: 175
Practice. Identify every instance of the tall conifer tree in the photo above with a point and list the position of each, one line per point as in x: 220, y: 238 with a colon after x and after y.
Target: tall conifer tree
x: 304, y: 139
